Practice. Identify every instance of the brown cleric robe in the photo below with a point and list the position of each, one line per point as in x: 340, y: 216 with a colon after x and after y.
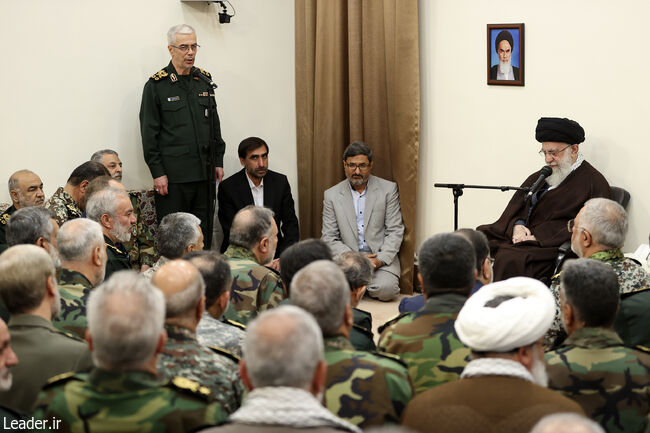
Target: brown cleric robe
x: 547, y: 222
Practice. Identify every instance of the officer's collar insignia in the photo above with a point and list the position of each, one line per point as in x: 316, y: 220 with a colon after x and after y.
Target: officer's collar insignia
x: 173, y: 77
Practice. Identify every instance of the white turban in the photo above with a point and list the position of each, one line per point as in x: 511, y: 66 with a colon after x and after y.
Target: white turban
x: 514, y: 323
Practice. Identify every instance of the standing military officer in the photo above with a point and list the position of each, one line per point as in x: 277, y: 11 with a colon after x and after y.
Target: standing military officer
x: 176, y: 132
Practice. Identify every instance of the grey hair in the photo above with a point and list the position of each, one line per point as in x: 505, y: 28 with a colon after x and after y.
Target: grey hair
x: 24, y: 270
x: 357, y: 148
x: 606, y: 220
x: 77, y: 238
x: 183, y: 29
x: 125, y: 319
x: 103, y: 202
x: 250, y: 225
x: 175, y: 233
x: 567, y: 422
x: 282, y: 347
x: 185, y: 301
x: 13, y: 179
x: 28, y: 224
x: 356, y: 267
x: 97, y: 156
x: 322, y: 290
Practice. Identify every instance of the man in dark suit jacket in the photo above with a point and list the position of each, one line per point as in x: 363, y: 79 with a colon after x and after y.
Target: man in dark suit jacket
x: 256, y: 184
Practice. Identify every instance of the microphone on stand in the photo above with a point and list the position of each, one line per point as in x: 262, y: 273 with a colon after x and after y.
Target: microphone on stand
x: 544, y: 173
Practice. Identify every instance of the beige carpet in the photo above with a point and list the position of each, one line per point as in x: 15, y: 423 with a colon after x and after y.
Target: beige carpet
x: 381, y: 311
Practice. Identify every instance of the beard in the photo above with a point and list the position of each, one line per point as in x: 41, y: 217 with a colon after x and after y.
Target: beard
x: 504, y: 66
x: 560, y: 170
x: 23, y: 202
x: 539, y: 370
x: 577, y: 248
x: 121, y: 232
x: 54, y: 255
x: 357, y: 179
x: 5, y: 379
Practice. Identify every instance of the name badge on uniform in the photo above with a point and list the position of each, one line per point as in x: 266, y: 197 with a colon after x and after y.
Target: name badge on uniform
x: 204, y: 94
x: 174, y: 98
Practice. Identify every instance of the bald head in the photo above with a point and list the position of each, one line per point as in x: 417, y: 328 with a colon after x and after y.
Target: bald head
x: 26, y: 189
x: 183, y: 288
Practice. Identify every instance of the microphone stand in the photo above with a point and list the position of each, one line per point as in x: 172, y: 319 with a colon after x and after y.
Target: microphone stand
x: 458, y: 188
x: 210, y: 161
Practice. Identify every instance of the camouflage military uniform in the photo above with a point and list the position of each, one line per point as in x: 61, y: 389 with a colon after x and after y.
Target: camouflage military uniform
x: 118, y: 258
x: 148, y: 274
x: 225, y: 334
x: 4, y: 219
x: 611, y: 382
x: 184, y: 356
x: 134, y: 401
x: 63, y: 206
x: 631, y: 278
x: 361, y: 333
x: 74, y: 289
x: 427, y: 341
x: 141, y: 246
x: 255, y: 288
x: 365, y: 388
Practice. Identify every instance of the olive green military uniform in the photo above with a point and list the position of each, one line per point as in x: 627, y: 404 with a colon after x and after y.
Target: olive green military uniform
x: 74, y: 289
x: 255, y: 288
x: 361, y: 333
x: 141, y: 246
x: 4, y: 219
x: 131, y: 401
x: 118, y: 258
x: 63, y: 206
x: 427, y: 341
x: 175, y: 129
x: 43, y: 351
x: 217, y: 370
x: 364, y: 388
x: 611, y: 382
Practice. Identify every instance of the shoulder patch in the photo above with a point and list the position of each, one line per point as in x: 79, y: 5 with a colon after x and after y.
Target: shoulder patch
x: 190, y: 386
x: 159, y: 75
x: 224, y: 352
x: 235, y: 324
x: 60, y: 379
x: 391, y: 357
x: 391, y: 321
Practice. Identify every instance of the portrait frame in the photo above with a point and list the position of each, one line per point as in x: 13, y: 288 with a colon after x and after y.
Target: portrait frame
x: 516, y: 57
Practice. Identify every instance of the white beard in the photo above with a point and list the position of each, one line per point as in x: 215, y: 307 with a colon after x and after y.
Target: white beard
x: 560, y: 171
x: 54, y: 255
x: 5, y: 379
x: 539, y: 370
x: 504, y: 67
x: 121, y: 233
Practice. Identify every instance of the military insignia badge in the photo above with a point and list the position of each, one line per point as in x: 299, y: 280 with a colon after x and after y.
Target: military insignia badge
x: 173, y: 77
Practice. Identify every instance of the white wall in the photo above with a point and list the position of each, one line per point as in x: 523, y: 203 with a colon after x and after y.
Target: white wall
x: 73, y: 71
x: 585, y: 59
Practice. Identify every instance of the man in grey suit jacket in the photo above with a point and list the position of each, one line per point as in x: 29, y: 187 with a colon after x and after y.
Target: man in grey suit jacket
x: 362, y: 213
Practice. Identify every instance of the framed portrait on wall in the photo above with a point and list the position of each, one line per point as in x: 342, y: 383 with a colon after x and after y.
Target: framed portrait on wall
x: 505, y: 54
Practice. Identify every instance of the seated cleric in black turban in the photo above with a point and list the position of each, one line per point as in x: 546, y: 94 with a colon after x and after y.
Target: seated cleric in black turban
x: 559, y: 130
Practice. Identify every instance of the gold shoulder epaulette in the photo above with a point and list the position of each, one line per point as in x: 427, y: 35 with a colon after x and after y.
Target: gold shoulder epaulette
x: 206, y: 73
x: 159, y: 75
x: 190, y: 386
x: 235, y: 324
x: 224, y: 352
x: 59, y: 379
x: 392, y: 357
x: 4, y: 218
x: 642, y: 348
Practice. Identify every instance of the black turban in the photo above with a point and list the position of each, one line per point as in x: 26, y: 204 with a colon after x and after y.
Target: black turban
x: 560, y: 130
x: 504, y: 35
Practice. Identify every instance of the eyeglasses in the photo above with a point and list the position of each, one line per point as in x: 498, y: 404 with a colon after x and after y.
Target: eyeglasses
x: 571, y: 224
x: 352, y: 166
x: 553, y: 153
x: 183, y: 48
x: 491, y: 260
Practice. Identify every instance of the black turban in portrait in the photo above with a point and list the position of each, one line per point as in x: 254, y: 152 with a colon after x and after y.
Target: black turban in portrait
x: 504, y: 35
x: 559, y: 130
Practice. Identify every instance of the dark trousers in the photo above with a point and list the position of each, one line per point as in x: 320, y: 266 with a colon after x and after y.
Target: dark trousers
x: 191, y: 197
